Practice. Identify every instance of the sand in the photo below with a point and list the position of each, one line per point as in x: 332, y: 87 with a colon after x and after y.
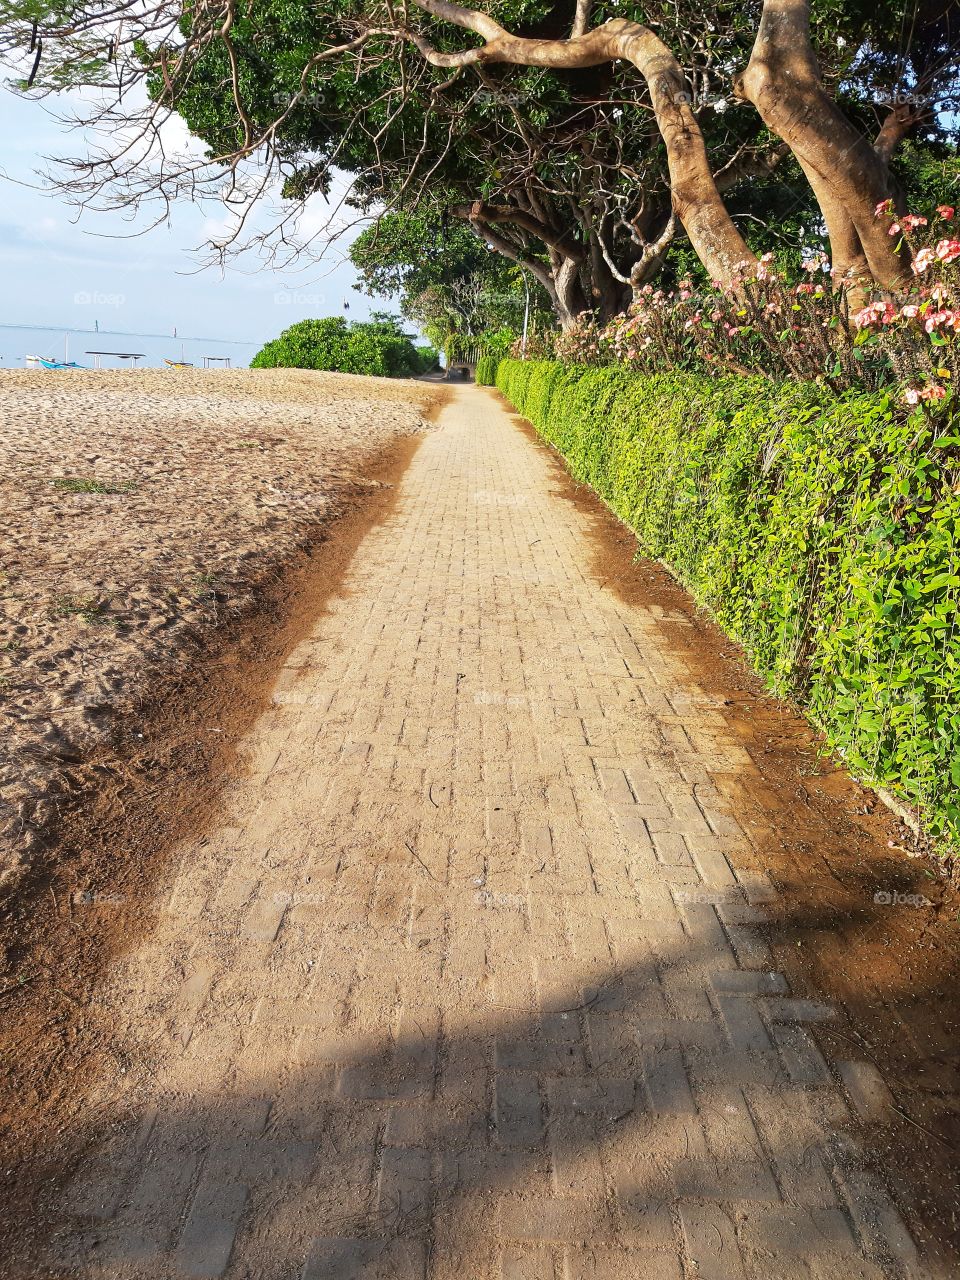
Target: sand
x: 140, y: 510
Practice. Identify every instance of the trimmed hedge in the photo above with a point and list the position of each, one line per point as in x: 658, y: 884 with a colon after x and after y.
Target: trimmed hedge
x: 486, y: 373
x: 822, y: 532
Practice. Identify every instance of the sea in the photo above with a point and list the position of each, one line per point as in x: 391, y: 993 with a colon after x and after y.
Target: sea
x: 18, y: 342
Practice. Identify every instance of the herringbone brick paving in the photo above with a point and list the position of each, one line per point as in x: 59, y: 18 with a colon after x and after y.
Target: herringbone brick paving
x: 467, y: 984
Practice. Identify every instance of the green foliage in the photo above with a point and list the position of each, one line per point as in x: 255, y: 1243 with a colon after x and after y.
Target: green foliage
x: 486, y: 374
x: 822, y: 531
x: 378, y: 348
x: 429, y: 358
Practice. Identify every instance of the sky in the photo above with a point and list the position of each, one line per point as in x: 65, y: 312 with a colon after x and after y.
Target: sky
x: 61, y: 272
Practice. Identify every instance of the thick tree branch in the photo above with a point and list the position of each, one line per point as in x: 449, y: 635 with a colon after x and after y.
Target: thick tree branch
x: 696, y: 200
x: 562, y: 241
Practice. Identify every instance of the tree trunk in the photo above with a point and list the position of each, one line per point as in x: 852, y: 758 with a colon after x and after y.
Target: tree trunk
x: 570, y: 300
x: 848, y: 177
x: 561, y: 281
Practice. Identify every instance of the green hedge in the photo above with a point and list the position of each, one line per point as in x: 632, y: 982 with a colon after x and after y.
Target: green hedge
x: 822, y: 532
x: 333, y: 345
x: 486, y: 374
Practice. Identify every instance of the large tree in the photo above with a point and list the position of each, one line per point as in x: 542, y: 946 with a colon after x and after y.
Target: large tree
x: 572, y: 141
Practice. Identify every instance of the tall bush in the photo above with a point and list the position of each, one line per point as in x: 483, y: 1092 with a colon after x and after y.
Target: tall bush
x: 333, y: 345
x: 822, y: 531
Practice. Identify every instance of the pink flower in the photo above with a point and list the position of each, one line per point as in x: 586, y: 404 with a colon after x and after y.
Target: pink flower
x: 883, y: 207
x: 948, y: 250
x: 938, y: 319
x: 894, y: 229
x: 924, y: 259
x: 946, y: 211
x: 934, y: 392
x: 912, y: 220
x: 883, y: 311
x: 910, y: 311
x: 912, y: 395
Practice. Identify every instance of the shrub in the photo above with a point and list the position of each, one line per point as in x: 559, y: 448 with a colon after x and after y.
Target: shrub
x: 787, y: 329
x: 428, y: 359
x: 822, y: 531
x: 486, y: 374
x: 333, y: 345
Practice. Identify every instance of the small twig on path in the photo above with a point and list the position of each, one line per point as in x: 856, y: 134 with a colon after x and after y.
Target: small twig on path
x: 923, y: 1129
x: 419, y: 859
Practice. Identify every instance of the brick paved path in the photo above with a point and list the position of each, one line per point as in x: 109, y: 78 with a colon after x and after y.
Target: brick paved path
x: 467, y: 985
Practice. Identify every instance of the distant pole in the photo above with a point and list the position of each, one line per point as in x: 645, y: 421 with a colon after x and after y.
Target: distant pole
x: 526, y: 316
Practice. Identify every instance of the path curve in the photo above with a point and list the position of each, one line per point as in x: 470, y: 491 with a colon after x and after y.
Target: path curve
x: 467, y: 985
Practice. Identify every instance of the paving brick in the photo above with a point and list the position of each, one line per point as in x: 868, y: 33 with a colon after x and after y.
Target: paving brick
x: 646, y: 1223
x: 710, y: 1242
x: 802, y: 1058
x: 787, y: 1229
x: 546, y: 1059
x: 612, y: 1262
x: 610, y: 1096
x: 561, y: 1220
x: 877, y: 1219
x: 404, y: 1188
x: 337, y: 1258
x: 207, y: 1239
x: 519, y: 1110
x: 532, y: 1262
x: 666, y: 1083
x: 868, y: 1092
x: 744, y: 1024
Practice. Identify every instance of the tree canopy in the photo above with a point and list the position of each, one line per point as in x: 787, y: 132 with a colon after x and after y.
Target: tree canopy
x: 594, y: 145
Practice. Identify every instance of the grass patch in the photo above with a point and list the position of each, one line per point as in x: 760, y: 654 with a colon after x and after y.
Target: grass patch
x: 86, y: 484
x: 88, y: 609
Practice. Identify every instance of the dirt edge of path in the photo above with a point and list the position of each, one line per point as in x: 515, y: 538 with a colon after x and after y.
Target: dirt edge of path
x: 893, y: 972
x: 159, y: 779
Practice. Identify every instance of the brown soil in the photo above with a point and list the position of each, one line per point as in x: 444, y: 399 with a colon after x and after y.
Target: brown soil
x: 892, y: 969
x: 159, y: 777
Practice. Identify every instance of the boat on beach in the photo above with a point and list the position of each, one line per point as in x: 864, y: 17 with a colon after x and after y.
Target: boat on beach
x: 54, y: 364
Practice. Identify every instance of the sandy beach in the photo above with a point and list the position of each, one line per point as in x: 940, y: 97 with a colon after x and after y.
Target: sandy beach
x: 141, y: 509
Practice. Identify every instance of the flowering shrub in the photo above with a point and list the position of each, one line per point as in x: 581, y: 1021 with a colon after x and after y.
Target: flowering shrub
x: 800, y: 329
x: 540, y: 346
